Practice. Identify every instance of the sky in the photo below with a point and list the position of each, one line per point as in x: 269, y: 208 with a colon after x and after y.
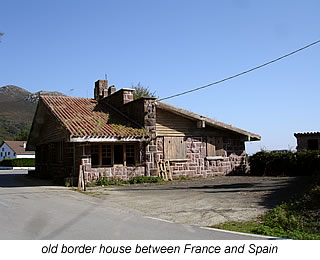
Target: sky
x: 171, y: 47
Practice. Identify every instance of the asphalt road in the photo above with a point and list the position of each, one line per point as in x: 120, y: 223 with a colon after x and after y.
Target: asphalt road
x: 33, y: 209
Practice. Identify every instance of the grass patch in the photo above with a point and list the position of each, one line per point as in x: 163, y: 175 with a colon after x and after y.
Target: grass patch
x: 108, y: 181
x: 296, y: 219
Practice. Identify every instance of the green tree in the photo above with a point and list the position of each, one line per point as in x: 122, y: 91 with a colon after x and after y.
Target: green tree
x: 22, y: 135
x: 141, y: 91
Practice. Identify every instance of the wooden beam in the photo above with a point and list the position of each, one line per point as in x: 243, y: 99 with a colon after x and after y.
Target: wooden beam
x: 124, y: 155
x: 100, y: 154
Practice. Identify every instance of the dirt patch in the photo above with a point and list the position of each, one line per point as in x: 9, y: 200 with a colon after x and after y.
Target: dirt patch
x: 203, y: 202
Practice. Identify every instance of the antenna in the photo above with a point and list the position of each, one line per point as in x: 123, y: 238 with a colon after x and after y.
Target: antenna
x: 105, y: 76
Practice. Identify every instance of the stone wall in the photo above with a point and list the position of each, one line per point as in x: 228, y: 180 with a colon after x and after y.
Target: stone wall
x: 197, y: 164
x: 124, y: 173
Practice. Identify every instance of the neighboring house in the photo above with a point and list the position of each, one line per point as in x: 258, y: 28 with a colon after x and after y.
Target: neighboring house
x: 115, y: 136
x: 15, y: 149
x: 308, y: 141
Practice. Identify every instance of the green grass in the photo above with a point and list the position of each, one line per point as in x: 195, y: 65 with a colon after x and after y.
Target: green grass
x: 296, y: 219
x: 108, y: 181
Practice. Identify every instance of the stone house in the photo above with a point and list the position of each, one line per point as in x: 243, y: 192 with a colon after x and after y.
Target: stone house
x: 15, y: 150
x: 115, y: 136
x: 308, y: 141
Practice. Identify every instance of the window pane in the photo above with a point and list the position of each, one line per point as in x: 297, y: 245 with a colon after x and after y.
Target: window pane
x: 106, y: 154
x: 130, y: 154
x: 118, y: 154
x: 94, y: 155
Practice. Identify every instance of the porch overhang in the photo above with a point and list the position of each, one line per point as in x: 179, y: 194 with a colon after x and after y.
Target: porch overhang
x: 92, y: 139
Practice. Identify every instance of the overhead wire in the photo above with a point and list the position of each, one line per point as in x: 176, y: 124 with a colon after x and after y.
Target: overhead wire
x: 241, y: 73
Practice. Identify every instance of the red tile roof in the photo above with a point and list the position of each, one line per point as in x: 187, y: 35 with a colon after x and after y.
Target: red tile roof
x: 307, y: 133
x: 18, y: 147
x: 84, y: 117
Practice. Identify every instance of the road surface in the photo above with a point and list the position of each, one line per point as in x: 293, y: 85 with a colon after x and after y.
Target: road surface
x: 33, y: 209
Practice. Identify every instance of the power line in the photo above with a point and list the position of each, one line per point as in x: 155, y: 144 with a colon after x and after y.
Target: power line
x: 241, y: 73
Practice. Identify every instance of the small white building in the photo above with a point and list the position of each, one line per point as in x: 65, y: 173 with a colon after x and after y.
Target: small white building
x: 15, y: 149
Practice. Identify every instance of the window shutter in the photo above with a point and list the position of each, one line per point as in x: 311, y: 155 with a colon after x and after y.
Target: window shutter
x: 211, y: 146
x: 215, y: 146
x: 174, y: 147
x: 219, y: 146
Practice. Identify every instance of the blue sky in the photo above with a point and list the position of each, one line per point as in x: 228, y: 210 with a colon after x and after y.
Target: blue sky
x: 173, y: 46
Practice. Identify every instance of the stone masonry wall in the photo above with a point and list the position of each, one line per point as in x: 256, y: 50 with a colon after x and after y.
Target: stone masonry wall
x: 197, y: 164
x: 124, y: 173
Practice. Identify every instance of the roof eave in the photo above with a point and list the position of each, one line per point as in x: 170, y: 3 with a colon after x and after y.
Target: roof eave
x: 209, y: 121
x: 97, y: 139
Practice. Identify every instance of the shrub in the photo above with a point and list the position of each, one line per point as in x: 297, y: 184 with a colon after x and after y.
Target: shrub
x: 21, y: 162
x: 106, y: 181
x: 298, y: 218
x: 285, y: 164
x: 145, y: 179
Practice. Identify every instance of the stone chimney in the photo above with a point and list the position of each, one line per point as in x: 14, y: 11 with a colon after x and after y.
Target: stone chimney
x: 100, y: 89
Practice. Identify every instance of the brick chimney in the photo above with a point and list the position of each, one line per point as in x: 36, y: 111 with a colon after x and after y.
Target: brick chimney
x: 100, y: 89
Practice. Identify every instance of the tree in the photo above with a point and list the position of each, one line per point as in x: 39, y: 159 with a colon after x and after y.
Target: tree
x: 1, y: 35
x: 22, y: 135
x: 141, y: 91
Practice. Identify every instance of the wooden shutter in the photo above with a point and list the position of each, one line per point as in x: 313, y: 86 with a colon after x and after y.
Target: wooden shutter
x: 174, y: 148
x: 211, y: 146
x: 219, y: 146
x: 215, y: 146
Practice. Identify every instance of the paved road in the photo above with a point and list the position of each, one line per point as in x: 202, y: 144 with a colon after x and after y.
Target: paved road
x: 203, y: 202
x: 30, y: 209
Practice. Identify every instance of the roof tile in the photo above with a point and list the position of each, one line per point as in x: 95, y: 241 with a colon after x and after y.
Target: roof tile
x: 84, y: 117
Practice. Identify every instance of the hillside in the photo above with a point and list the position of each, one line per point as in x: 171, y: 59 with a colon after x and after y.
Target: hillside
x: 17, y: 107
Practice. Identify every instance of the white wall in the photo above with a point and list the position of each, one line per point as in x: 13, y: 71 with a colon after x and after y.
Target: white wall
x: 6, y: 152
x: 25, y: 156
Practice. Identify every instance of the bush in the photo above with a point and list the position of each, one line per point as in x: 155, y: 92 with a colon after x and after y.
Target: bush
x: 106, y: 181
x: 145, y: 179
x: 298, y: 218
x: 21, y: 162
x: 285, y: 164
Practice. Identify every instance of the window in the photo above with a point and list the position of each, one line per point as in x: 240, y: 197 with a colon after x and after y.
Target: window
x: 118, y: 154
x: 313, y: 144
x: 106, y: 155
x: 95, y: 154
x: 174, y: 147
x: 8, y: 153
x: 215, y: 146
x: 112, y: 154
x: 130, y: 154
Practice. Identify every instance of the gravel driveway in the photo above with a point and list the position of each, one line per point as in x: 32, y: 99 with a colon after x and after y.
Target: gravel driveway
x: 203, y: 202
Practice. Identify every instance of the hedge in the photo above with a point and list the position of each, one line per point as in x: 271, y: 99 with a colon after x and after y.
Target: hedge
x: 265, y: 163
x: 21, y: 162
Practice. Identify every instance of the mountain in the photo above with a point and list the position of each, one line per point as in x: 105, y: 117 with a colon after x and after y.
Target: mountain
x: 17, y: 107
